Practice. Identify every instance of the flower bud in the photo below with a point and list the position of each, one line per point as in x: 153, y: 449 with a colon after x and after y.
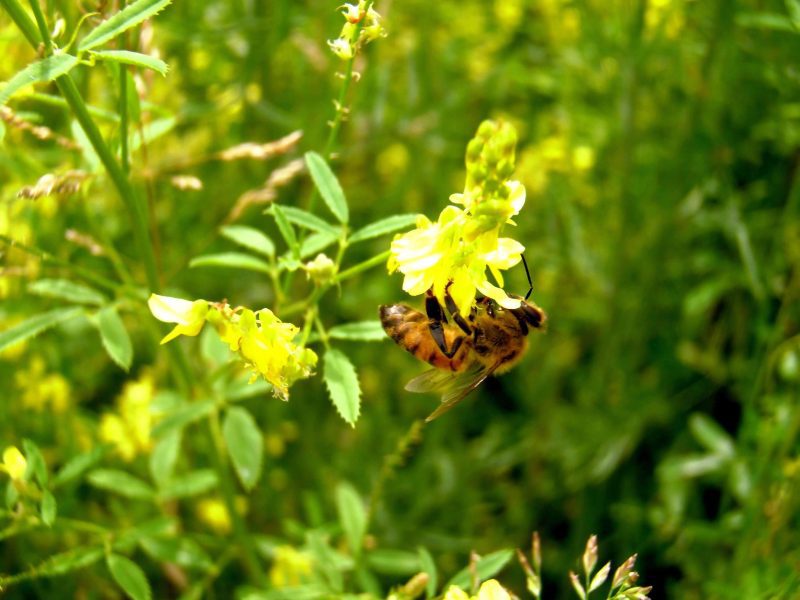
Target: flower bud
x: 321, y: 269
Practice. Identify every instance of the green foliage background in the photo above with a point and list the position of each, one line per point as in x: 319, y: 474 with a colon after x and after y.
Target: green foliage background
x: 659, y: 147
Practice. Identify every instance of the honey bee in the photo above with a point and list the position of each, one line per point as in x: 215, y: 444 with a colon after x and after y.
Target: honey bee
x: 491, y: 340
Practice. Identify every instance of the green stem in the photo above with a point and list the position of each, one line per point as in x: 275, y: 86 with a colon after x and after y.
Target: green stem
x: 123, y: 109
x: 363, y: 266
x: 20, y: 17
x: 48, y: 258
x: 227, y: 487
x: 393, y: 461
x: 118, y: 177
x: 347, y: 274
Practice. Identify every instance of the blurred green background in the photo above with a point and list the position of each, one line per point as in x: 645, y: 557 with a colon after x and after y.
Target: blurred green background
x: 658, y: 142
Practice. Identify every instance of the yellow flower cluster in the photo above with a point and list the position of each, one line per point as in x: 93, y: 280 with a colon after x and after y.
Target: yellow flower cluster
x: 351, y: 37
x: 489, y: 590
x: 454, y: 252
x: 128, y: 429
x: 263, y: 342
x: 290, y: 568
x: 42, y: 391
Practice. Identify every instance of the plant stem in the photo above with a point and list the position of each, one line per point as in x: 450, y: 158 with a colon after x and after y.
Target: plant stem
x: 118, y: 177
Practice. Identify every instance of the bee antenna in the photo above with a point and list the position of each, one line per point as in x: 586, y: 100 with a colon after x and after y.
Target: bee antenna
x: 528, y: 275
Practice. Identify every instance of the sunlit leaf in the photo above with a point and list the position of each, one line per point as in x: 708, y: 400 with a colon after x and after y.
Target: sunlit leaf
x: 63, y: 289
x: 129, y: 576
x: 122, y: 483
x: 250, y: 238
x: 382, y: 227
x: 36, y: 325
x: 342, y: 383
x: 352, y: 516
x: 327, y: 185
x: 137, y: 59
x: 128, y: 17
x: 231, y: 260
x: 46, y: 69
x: 115, y: 337
x: 244, y: 442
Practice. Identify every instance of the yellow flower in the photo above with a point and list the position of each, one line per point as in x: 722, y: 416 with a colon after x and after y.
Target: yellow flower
x: 14, y: 464
x: 489, y: 590
x: 213, y: 513
x: 129, y: 429
x: 455, y: 593
x: 263, y: 342
x: 454, y: 253
x: 290, y: 568
x: 348, y: 42
x: 42, y: 391
x: 492, y: 590
x: 341, y: 48
x: 190, y: 316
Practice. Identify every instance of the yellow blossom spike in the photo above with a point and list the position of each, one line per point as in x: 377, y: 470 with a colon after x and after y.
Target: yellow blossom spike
x: 454, y: 253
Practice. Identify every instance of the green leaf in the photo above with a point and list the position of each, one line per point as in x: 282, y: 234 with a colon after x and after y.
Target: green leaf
x: 129, y: 576
x: 183, y: 552
x: 137, y: 59
x: 43, y: 70
x: 328, y: 185
x: 487, y: 567
x: 182, y: 416
x: 115, y: 337
x: 192, y: 484
x: 36, y: 325
x: 130, y: 16
x: 793, y: 8
x: 36, y: 465
x: 244, y: 441
x: 394, y: 562
x: 87, y: 150
x: 63, y: 289
x: 48, y: 508
x: 382, y: 227
x: 765, y: 20
x: 286, y: 229
x: 709, y: 433
x: 122, y: 483
x: 77, y: 465
x: 352, y: 516
x: 307, y: 220
x: 317, y: 242
x: 428, y: 565
x: 67, y: 562
x: 164, y: 456
x: 360, y: 331
x: 249, y: 238
x: 342, y: 383
x: 151, y: 132
x: 231, y: 260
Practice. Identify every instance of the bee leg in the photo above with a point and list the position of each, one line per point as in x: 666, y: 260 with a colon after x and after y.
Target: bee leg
x: 523, y: 326
x: 436, y: 317
x: 454, y: 312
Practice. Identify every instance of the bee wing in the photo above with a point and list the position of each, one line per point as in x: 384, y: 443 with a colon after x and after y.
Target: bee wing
x: 454, y: 387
